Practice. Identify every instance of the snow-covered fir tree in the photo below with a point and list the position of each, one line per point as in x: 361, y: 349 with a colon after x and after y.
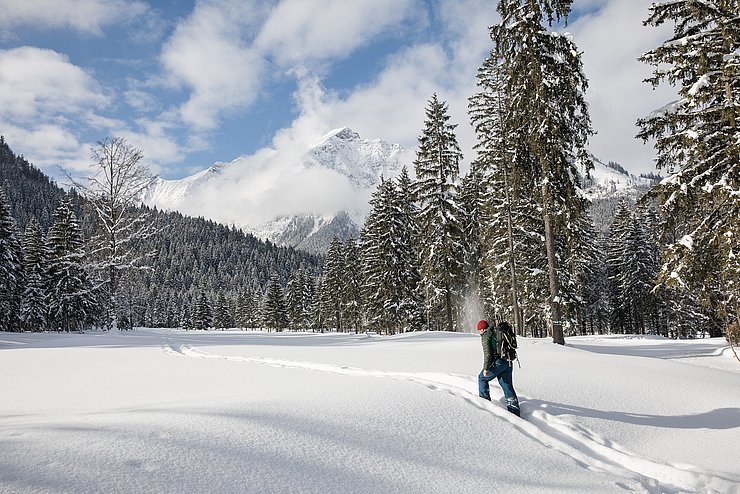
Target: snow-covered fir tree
x: 308, y: 284
x: 697, y: 138
x: 351, y: 291
x: 202, y: 314
x: 244, y: 309
x: 437, y: 167
x: 333, y: 285
x: 597, y: 301
x: 637, y: 281
x: 273, y: 312
x: 472, y: 200
x: 221, y: 313
x: 545, y: 88
x: 294, y: 300
x: 408, y: 240
x: 582, y: 258
x: 615, y: 255
x: 72, y: 304
x: 11, y: 268
x: 513, y: 262
x: 389, y: 289
x: 186, y: 317
x: 298, y: 300
x: 34, y: 310
x: 316, y: 316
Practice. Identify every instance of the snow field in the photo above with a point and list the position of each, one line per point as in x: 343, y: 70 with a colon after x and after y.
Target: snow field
x: 169, y: 411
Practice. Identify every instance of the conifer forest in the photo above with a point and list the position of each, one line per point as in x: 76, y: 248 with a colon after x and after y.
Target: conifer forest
x: 513, y: 237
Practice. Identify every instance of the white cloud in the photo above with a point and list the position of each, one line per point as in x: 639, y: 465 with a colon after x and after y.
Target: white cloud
x: 222, y: 52
x: 85, y: 16
x: 268, y: 184
x: 140, y: 100
x: 38, y: 84
x: 302, y: 32
x: 391, y: 106
x: 46, y: 103
x: 612, y: 39
x: 52, y: 145
x: 209, y: 53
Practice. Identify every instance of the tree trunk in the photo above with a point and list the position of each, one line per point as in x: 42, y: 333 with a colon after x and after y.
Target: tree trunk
x: 448, y: 302
x: 556, y: 322
x: 512, y: 264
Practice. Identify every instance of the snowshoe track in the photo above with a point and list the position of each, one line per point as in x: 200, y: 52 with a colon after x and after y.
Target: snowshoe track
x: 585, y: 447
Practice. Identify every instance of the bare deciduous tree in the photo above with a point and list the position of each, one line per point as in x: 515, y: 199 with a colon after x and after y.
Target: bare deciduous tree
x: 114, y: 189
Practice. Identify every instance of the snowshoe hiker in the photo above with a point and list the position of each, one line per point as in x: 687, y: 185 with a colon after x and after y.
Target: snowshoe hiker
x: 496, y: 365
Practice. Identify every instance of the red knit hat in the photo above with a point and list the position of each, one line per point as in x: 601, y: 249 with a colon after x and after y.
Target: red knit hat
x: 482, y: 324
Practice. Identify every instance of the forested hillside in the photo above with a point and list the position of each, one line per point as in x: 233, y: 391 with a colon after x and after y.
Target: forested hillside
x: 192, y: 262
x: 30, y: 192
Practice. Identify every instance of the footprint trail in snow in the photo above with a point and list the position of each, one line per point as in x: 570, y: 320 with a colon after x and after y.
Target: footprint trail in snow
x: 585, y: 447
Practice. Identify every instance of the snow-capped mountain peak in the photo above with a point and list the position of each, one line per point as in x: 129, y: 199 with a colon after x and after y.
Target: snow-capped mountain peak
x: 362, y: 161
x: 290, y: 197
x: 611, y: 179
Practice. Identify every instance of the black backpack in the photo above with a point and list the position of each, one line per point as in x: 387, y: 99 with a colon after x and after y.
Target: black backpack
x: 505, y: 341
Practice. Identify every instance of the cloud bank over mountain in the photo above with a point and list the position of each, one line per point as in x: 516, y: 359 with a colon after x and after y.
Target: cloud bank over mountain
x: 196, y: 84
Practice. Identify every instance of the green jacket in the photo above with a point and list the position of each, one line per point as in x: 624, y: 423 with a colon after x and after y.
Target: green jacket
x: 488, y: 339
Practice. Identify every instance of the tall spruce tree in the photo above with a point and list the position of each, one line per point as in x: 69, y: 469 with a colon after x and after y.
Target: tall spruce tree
x: 616, y: 267
x: 636, y: 281
x: 333, y: 286
x: 294, y: 300
x: 71, y: 294
x: 11, y: 268
x: 221, y: 313
x: 545, y: 88
x: 472, y: 200
x: 407, y: 238
x: 246, y: 309
x: 34, y: 309
x: 437, y: 167
x: 598, y: 305
x: 698, y: 143
x: 582, y: 258
x: 308, y: 284
x: 513, y: 261
x: 389, y: 285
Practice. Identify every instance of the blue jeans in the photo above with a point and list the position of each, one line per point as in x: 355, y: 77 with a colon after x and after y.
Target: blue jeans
x: 501, y: 370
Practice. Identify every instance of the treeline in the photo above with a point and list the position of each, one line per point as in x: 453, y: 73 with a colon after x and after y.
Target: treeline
x: 376, y: 282
x: 203, y: 274
x: 513, y: 238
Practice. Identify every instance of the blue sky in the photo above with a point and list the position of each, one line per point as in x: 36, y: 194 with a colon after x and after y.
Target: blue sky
x: 192, y: 83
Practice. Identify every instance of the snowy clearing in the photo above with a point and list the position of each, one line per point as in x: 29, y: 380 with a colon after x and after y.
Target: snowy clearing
x: 174, y: 411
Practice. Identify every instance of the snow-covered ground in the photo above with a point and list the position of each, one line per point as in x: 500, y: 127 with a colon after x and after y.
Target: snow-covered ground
x: 170, y: 411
